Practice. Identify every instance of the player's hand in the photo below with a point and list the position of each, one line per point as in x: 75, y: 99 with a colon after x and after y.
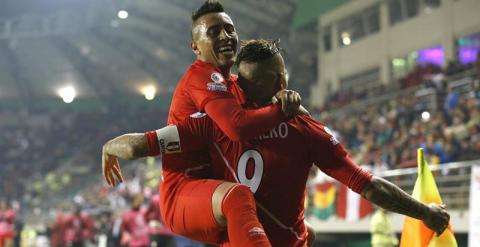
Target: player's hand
x: 290, y: 101
x: 111, y: 168
x: 303, y: 111
x: 437, y: 218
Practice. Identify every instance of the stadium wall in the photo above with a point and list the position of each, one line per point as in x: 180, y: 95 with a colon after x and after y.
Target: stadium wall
x: 438, y: 26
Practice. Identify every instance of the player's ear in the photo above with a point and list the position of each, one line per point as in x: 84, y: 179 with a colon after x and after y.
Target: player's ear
x: 194, y: 47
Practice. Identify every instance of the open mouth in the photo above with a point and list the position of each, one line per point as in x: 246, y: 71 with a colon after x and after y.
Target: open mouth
x: 226, y: 50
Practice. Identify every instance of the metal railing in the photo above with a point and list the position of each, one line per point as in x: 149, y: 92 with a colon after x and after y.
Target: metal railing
x: 453, y: 181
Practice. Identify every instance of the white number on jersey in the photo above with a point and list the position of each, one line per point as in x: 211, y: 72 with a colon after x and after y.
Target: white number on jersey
x: 253, y: 182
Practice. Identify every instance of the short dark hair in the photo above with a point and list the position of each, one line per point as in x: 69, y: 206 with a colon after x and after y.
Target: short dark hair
x: 256, y: 50
x: 210, y: 6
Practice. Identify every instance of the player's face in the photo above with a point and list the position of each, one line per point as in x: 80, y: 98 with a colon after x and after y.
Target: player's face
x: 262, y: 80
x: 215, y: 40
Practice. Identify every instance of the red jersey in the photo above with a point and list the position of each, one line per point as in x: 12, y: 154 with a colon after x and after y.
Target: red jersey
x: 78, y: 228
x: 135, y: 225
x: 7, y: 222
x: 275, y: 166
x: 203, y: 88
x: 57, y: 237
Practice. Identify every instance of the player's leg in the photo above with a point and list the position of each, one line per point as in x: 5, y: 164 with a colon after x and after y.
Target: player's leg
x: 194, y: 217
x: 234, y: 205
x: 189, y: 212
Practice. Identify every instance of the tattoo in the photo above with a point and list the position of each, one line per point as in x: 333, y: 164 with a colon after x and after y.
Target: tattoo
x: 140, y: 147
x: 392, y: 198
x: 128, y: 146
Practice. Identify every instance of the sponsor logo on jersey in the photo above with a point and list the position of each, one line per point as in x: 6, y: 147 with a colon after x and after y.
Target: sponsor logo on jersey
x: 198, y: 115
x: 214, y: 86
x: 216, y: 77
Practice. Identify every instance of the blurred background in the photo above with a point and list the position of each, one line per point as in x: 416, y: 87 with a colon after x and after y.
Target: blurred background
x: 388, y: 76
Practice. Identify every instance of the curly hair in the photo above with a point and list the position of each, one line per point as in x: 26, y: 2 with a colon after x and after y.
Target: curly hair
x: 256, y: 50
x: 210, y: 6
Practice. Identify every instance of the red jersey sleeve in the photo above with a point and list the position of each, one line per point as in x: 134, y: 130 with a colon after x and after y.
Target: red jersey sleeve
x: 196, y: 132
x: 210, y: 92
x: 330, y: 156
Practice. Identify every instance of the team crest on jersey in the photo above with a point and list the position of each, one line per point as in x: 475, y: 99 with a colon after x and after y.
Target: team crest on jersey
x: 198, y: 115
x: 333, y: 139
x: 217, y: 83
x: 216, y: 77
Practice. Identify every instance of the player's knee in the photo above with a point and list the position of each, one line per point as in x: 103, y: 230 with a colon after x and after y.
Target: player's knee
x: 240, y: 192
x: 228, y: 196
x: 217, y: 201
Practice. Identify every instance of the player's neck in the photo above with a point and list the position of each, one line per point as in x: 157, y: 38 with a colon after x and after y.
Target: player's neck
x: 225, y: 70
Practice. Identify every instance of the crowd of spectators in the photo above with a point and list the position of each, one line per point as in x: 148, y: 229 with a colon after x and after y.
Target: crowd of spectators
x: 37, y: 143
x: 386, y: 135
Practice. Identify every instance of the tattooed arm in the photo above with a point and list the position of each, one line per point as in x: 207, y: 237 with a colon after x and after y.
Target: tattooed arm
x: 166, y: 140
x: 392, y: 198
x: 129, y: 146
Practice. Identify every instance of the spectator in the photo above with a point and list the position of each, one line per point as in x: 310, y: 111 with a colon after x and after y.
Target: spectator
x: 79, y: 228
x: 381, y: 230
x: 134, y: 226
x: 451, y: 101
x: 7, y: 223
x: 160, y: 235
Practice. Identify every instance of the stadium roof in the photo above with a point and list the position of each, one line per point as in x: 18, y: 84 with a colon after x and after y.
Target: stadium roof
x: 46, y: 45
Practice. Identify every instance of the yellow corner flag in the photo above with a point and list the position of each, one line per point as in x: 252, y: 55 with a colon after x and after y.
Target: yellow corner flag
x: 415, y: 233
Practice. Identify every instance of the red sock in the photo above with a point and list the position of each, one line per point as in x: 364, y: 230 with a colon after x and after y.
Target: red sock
x: 243, y: 227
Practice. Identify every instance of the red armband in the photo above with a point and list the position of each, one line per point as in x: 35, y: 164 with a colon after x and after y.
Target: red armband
x: 152, y: 142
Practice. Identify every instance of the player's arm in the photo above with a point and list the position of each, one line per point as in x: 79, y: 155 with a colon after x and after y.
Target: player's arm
x: 235, y: 121
x: 128, y: 146
x: 190, y: 135
x: 392, y: 198
x: 330, y: 156
x: 387, y: 195
x: 244, y: 124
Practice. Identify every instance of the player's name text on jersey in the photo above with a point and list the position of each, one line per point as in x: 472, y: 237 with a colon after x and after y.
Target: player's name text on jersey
x: 280, y: 131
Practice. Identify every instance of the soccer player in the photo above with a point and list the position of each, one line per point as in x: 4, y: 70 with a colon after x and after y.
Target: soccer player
x: 275, y: 165
x: 201, y: 209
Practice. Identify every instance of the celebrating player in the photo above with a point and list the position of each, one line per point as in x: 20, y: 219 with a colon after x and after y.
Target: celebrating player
x: 201, y: 209
x: 274, y: 165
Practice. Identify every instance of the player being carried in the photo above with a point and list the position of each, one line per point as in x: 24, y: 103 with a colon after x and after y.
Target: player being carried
x: 273, y: 165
